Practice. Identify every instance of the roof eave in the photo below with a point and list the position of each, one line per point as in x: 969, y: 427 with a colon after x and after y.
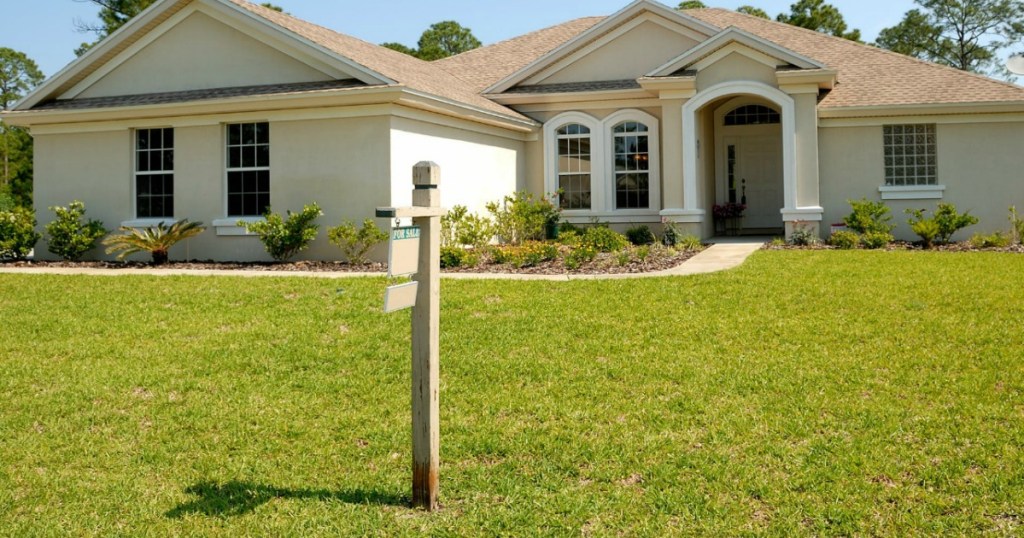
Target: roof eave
x: 920, y: 109
x: 568, y: 97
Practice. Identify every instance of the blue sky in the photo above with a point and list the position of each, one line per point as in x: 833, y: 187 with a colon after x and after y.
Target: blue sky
x: 45, y: 29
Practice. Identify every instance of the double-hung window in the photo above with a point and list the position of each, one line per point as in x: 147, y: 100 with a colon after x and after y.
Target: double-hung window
x: 574, y: 166
x: 248, y: 170
x: 632, y: 166
x: 154, y: 173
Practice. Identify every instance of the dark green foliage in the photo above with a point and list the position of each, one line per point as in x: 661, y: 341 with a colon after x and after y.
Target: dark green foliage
x: 844, y: 240
x: 284, y: 237
x: 521, y: 217
x: 868, y: 217
x: 18, y: 75
x: 755, y: 11
x: 157, y: 240
x: 691, y: 4
x: 69, y: 236
x: 441, y: 40
x: 818, y: 16
x: 803, y: 236
x: 356, y: 243
x: 950, y: 221
x: 604, y: 239
x: 18, y: 234
x: 640, y: 235
x: 458, y: 257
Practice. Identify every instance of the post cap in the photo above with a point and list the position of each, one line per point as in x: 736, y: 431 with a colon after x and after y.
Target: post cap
x: 426, y: 175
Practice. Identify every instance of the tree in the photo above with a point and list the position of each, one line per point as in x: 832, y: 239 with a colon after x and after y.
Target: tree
x: 441, y: 40
x: 965, y: 34
x: 691, y: 4
x: 444, y: 39
x: 115, y: 13
x: 755, y: 11
x: 18, y: 75
x: 818, y: 16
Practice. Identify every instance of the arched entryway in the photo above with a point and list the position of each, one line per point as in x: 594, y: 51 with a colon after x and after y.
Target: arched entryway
x: 748, y: 163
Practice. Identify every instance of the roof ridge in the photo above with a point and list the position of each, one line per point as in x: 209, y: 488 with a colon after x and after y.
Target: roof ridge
x: 867, y: 47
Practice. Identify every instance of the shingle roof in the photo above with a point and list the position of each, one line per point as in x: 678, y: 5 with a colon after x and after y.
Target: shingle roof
x: 570, y: 87
x: 164, y: 98
x: 484, y: 66
x: 402, y: 68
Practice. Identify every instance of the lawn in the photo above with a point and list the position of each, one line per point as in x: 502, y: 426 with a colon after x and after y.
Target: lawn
x: 806, y: 393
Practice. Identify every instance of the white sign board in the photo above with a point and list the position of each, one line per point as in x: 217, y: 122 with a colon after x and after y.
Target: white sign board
x: 400, y: 297
x: 404, y: 251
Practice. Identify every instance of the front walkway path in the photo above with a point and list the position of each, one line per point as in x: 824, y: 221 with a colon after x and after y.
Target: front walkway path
x: 717, y: 257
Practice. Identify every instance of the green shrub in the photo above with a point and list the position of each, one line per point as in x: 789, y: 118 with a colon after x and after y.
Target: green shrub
x: 950, y: 221
x: 876, y: 240
x: 670, y: 232
x: 604, y: 239
x: 925, y: 228
x: 355, y: 243
x: 996, y: 240
x: 570, y: 238
x: 526, y: 255
x: 459, y: 227
x: 458, y: 257
x: 568, y: 227
x: 777, y: 242
x: 284, y: 237
x: 868, y: 216
x: 1018, y: 225
x: 579, y: 256
x: 803, y: 235
x: 70, y: 238
x: 157, y: 240
x: 844, y: 240
x: 18, y: 234
x: 640, y: 235
x: 688, y: 243
x: 519, y: 218
x: 7, y: 202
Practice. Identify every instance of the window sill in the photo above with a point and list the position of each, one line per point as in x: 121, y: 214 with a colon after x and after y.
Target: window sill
x: 146, y: 223
x: 230, y: 227
x: 921, y: 192
x: 578, y: 216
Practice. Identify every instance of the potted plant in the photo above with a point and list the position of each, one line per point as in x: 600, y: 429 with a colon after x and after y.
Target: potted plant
x: 730, y: 214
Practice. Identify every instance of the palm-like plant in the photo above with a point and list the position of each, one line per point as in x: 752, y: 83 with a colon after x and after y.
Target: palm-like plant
x: 156, y: 240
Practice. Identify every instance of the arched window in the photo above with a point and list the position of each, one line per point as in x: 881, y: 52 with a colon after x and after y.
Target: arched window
x: 574, y: 166
x: 752, y: 115
x: 632, y: 165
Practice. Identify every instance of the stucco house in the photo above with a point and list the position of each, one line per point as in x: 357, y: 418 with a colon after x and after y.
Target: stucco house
x: 214, y: 109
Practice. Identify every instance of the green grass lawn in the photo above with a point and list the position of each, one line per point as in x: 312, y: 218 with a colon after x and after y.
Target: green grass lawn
x: 809, y: 393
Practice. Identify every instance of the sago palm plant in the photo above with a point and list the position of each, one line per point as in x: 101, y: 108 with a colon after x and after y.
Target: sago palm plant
x: 156, y: 240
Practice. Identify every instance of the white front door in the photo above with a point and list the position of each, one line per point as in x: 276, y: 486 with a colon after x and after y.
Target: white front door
x: 753, y: 172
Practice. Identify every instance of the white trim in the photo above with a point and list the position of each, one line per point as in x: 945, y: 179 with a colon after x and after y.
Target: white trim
x: 614, y: 218
x: 230, y: 227
x: 653, y: 152
x: 599, y: 29
x: 684, y: 215
x: 147, y: 223
x: 916, y: 192
x: 596, y: 162
x: 738, y: 88
x: 729, y: 36
x: 813, y: 214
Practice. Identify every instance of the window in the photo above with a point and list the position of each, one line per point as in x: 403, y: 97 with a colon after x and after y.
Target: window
x: 248, y: 158
x: 574, y: 166
x: 154, y: 173
x: 632, y: 166
x: 910, y: 155
x: 752, y: 115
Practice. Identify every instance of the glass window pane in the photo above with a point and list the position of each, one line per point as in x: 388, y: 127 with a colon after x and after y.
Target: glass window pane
x: 263, y: 204
x: 168, y: 138
x: 235, y: 157
x: 262, y: 133
x: 234, y: 182
x: 262, y: 155
x: 234, y: 135
x: 169, y: 160
x: 234, y: 205
x: 263, y: 181
x: 248, y: 134
x: 142, y: 161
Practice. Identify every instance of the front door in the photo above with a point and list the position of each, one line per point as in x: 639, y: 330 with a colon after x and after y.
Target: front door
x: 753, y: 172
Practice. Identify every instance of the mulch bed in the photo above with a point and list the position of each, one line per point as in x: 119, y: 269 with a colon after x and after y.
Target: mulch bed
x: 602, y: 265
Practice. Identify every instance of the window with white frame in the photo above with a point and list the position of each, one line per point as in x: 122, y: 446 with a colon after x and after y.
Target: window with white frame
x: 632, y: 166
x: 248, y: 169
x: 910, y: 156
x: 154, y: 173
x: 574, y: 166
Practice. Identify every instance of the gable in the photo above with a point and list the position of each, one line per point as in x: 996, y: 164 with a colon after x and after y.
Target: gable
x: 735, y: 66
x: 634, y: 49
x: 194, y: 52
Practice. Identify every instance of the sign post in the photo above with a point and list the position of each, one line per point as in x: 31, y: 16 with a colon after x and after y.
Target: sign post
x: 426, y: 215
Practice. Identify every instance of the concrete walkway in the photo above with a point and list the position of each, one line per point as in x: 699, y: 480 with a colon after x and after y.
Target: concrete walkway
x: 720, y: 256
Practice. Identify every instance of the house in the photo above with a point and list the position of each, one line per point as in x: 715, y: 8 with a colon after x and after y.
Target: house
x: 214, y: 109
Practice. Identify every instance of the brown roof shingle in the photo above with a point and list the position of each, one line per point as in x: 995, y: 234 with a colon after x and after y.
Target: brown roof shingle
x: 485, y: 66
x: 406, y: 70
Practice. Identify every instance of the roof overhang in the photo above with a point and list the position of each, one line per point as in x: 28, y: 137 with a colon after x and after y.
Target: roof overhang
x: 921, y: 110
x: 734, y: 40
x: 607, y: 25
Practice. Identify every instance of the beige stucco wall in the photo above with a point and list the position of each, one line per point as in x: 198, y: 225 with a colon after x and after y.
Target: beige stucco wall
x: 638, y: 51
x: 341, y: 164
x: 735, y: 67
x: 476, y: 167
x: 980, y: 164
x: 201, y: 53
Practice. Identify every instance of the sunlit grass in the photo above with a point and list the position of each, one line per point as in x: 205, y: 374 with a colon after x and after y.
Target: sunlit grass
x: 804, y: 393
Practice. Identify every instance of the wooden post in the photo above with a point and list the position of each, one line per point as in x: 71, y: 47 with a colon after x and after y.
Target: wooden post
x: 426, y: 434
